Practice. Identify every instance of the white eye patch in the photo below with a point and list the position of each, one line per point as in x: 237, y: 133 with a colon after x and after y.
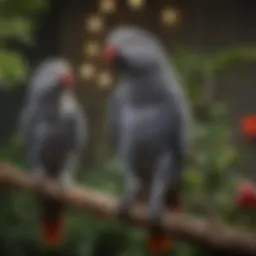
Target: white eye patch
x: 47, y: 75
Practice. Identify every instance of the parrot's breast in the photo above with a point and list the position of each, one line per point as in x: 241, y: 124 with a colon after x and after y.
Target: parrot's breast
x: 54, y: 139
x: 149, y: 127
x: 55, y: 150
x: 147, y: 135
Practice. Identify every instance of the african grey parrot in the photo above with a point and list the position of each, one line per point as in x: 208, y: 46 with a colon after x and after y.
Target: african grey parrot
x: 148, y: 119
x: 53, y: 127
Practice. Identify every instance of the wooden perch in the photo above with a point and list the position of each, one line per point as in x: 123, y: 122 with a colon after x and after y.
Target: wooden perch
x: 224, y: 239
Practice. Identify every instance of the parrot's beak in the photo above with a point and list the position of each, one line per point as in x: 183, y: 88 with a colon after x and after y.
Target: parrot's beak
x: 109, y: 54
x: 67, y: 80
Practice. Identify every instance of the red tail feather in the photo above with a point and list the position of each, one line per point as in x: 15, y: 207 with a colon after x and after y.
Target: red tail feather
x: 52, y: 232
x: 160, y: 243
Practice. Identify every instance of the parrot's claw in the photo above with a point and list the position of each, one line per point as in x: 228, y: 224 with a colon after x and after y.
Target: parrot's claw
x: 62, y: 187
x: 38, y: 179
x: 154, y: 223
x: 154, y: 220
x: 123, y: 211
x: 65, y: 181
x: 154, y: 214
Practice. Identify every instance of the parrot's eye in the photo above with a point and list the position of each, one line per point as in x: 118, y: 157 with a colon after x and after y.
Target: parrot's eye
x: 67, y: 80
x: 109, y: 54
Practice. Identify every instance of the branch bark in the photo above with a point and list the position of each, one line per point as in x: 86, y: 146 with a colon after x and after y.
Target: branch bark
x: 222, y: 238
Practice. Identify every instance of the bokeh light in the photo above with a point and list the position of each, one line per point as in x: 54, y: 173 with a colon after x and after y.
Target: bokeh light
x: 94, y: 24
x: 105, y: 79
x: 136, y: 4
x: 170, y: 16
x: 107, y: 6
x: 91, y: 49
x: 87, y: 71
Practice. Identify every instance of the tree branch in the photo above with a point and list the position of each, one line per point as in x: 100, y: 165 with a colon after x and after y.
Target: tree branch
x: 222, y: 238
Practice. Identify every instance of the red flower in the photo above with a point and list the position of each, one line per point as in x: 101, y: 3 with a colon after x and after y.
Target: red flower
x: 246, y: 195
x: 248, y: 127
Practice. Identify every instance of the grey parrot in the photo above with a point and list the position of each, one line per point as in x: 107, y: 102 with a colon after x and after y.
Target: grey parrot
x: 54, y: 131
x: 148, y: 119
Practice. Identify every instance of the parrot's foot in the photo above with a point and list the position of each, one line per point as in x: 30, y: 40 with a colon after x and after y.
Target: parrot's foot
x: 62, y: 188
x: 155, y: 224
x: 154, y: 220
x: 38, y: 179
x: 65, y: 181
x: 154, y: 215
x: 123, y: 211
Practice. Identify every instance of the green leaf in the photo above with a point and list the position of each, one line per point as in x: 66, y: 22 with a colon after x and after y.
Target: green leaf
x: 18, y: 28
x: 227, y: 159
x: 13, y: 67
x: 193, y: 178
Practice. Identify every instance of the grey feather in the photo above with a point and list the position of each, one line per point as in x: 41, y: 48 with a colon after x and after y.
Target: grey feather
x: 148, y: 117
x: 53, y: 124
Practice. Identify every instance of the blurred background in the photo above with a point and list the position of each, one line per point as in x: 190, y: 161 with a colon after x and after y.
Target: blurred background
x: 212, y: 46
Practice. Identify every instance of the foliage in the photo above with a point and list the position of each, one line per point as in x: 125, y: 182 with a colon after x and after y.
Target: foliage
x: 17, y: 21
x: 209, y: 178
x: 199, y: 71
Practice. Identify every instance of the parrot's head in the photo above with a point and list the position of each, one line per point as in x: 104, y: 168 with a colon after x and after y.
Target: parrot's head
x: 132, y: 50
x: 52, y: 77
